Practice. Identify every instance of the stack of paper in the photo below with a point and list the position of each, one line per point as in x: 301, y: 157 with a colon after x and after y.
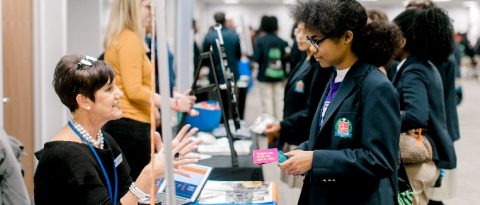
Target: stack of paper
x: 238, y: 192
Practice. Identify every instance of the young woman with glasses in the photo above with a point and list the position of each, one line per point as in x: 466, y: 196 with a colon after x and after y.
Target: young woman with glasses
x: 352, y: 151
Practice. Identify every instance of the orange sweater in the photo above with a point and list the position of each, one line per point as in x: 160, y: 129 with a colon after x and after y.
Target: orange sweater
x: 133, y: 71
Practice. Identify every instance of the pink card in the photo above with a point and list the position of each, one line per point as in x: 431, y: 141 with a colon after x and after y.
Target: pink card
x: 265, y: 156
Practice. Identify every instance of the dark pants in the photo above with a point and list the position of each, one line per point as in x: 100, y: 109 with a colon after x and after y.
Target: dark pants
x: 133, y: 137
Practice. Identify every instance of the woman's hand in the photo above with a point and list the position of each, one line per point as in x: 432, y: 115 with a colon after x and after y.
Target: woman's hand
x: 182, y: 144
x: 184, y: 103
x: 299, y: 162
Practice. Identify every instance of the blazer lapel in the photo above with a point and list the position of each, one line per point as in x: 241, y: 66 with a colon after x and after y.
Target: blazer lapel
x: 398, y: 74
x: 345, y: 88
x: 314, y: 128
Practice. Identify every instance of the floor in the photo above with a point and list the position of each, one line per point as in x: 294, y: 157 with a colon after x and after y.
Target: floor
x: 468, y: 187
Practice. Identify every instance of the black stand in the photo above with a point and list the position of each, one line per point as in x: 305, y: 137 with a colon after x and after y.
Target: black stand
x: 215, y: 88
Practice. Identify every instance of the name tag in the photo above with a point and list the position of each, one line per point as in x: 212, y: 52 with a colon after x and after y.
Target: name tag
x: 118, y: 160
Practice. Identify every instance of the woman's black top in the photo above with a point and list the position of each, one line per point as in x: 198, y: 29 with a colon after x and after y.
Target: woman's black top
x: 68, y: 173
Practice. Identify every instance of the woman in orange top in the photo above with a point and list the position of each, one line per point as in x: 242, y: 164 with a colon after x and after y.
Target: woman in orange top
x: 125, y: 51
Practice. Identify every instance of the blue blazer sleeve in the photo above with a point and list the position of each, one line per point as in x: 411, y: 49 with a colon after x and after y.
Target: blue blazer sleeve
x: 376, y: 154
x: 305, y: 116
x: 414, y: 93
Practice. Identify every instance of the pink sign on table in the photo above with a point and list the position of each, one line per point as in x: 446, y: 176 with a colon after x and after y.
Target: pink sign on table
x: 265, y: 156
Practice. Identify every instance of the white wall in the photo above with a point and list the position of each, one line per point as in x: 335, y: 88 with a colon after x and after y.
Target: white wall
x: 84, y: 27
x: 50, y: 44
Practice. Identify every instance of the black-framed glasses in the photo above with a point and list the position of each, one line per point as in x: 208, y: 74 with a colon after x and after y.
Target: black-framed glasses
x: 87, y: 61
x: 315, y: 42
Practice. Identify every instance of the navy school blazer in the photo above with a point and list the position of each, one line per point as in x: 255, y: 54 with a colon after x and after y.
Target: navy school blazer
x: 421, y: 97
x: 447, y: 71
x: 355, y: 149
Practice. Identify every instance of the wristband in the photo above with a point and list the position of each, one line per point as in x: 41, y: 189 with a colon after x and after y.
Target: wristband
x: 137, y: 192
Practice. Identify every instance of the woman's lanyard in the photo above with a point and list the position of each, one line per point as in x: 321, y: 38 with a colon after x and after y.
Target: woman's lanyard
x: 112, y: 197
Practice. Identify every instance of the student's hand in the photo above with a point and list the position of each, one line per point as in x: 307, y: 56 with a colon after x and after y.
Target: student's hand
x: 273, y: 129
x: 299, y: 162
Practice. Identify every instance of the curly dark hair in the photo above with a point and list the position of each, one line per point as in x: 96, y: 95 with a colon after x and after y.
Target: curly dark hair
x: 440, y: 45
x: 375, y: 43
x: 269, y: 24
x: 382, y: 41
x: 429, y: 33
x: 377, y: 16
x: 420, y: 4
x: 405, y: 21
x: 331, y: 17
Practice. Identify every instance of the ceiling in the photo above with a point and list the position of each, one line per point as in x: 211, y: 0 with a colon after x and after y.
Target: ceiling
x: 368, y: 3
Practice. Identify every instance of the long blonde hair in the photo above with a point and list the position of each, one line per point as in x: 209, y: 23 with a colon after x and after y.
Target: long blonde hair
x: 125, y: 14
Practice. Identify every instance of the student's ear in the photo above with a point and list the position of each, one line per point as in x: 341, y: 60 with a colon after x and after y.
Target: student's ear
x: 83, y: 102
x: 348, y: 37
x: 403, y: 42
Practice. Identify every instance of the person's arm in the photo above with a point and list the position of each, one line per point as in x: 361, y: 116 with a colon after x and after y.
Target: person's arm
x: 182, y: 144
x: 131, y: 58
x: 258, y: 52
x: 414, y: 92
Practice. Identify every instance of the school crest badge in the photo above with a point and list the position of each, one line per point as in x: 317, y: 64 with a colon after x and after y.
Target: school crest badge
x: 343, y: 128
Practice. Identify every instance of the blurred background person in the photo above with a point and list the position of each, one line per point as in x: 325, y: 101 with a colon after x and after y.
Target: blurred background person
x: 125, y: 51
x: 270, y: 54
x: 296, y: 55
x: 12, y: 184
x: 232, y: 47
x: 420, y: 88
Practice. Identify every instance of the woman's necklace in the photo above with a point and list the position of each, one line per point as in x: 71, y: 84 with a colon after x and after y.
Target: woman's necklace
x: 98, y: 143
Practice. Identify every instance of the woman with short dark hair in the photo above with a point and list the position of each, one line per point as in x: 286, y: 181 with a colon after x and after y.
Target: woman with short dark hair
x: 352, y: 151
x: 82, y: 164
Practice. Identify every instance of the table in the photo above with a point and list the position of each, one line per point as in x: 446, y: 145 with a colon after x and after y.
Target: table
x: 223, y: 170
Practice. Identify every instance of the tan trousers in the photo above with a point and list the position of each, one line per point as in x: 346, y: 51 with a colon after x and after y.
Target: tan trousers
x: 271, y: 95
x: 422, y: 178
x: 291, y: 181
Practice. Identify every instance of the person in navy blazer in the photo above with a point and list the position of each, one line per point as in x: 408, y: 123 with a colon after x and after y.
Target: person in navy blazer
x: 420, y: 88
x: 352, y: 151
x: 303, y: 90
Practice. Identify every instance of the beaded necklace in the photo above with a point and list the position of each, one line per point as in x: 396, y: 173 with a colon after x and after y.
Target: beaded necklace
x: 98, y: 143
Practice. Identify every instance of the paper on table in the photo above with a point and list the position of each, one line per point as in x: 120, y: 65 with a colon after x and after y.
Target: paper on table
x: 235, y: 192
x: 221, y: 147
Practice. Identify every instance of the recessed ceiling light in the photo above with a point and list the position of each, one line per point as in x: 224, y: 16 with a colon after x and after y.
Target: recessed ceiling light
x: 231, y: 1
